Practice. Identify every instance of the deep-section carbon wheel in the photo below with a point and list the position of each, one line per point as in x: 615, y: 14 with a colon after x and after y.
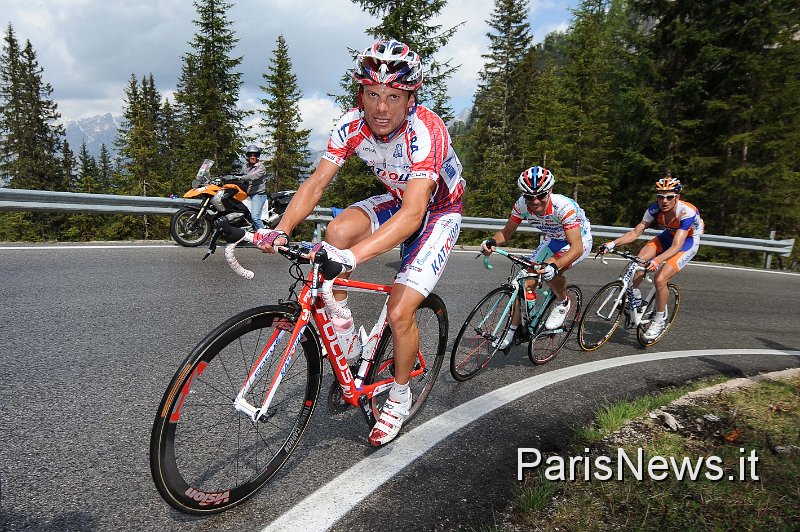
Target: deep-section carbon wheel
x: 205, y: 455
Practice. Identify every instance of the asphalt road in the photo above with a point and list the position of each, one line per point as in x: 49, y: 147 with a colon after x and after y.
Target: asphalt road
x: 91, y: 337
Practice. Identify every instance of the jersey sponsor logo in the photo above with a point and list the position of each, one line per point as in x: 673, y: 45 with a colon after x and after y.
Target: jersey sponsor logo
x: 392, y: 176
x: 444, y: 252
x: 413, y: 144
x: 398, y: 151
x: 449, y: 170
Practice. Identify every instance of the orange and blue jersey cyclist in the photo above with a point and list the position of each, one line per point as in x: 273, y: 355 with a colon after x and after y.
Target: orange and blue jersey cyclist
x: 671, y: 250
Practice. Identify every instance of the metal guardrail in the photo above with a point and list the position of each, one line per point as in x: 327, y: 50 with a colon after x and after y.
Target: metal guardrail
x: 45, y: 201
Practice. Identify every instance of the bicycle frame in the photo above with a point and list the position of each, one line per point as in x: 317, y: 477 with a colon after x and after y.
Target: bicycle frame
x: 635, y: 318
x: 313, y: 308
x: 516, y: 281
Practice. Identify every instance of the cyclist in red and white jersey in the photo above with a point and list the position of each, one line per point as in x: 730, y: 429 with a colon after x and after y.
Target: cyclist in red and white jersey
x: 409, y: 149
x: 567, y: 239
x: 672, y: 249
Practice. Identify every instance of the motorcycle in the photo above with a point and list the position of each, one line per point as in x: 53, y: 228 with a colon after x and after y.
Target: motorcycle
x: 222, y: 197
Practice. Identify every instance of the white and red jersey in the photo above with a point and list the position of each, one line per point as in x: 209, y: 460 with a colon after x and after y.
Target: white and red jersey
x: 562, y: 214
x: 421, y: 150
x: 687, y: 217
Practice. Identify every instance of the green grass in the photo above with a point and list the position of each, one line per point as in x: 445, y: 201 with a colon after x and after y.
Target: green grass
x: 759, y: 419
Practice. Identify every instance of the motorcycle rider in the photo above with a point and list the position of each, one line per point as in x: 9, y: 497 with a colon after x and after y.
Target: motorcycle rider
x: 255, y: 173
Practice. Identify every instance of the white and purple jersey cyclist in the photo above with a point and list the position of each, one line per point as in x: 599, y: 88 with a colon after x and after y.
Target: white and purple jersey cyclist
x: 420, y: 149
x: 560, y: 215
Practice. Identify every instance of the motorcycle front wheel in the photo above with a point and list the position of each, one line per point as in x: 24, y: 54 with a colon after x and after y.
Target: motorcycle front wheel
x: 187, y: 230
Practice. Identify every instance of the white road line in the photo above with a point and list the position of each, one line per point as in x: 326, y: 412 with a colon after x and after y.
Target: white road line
x: 323, y: 508
x: 45, y: 247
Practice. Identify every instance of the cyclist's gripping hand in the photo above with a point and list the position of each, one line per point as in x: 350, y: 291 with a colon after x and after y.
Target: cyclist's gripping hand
x: 267, y: 239
x: 652, y: 264
x: 339, y: 260
x: 488, y: 245
x: 548, y: 271
x: 605, y: 248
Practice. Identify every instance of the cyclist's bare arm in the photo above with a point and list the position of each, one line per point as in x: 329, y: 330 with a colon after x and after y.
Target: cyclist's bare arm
x: 631, y: 235
x: 307, y: 196
x: 505, y: 234
x: 400, y: 226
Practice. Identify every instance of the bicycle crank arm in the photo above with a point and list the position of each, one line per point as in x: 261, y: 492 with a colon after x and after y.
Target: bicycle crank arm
x: 366, y: 409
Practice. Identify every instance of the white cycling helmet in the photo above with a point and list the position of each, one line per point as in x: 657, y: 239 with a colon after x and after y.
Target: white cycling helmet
x: 389, y: 63
x: 535, y: 180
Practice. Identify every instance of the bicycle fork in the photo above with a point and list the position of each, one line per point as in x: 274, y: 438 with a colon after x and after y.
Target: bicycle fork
x: 240, y: 403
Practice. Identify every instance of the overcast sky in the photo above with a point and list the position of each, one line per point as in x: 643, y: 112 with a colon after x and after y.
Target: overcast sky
x: 89, y: 48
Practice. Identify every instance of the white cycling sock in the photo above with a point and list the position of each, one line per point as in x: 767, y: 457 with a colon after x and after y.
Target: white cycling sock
x: 399, y: 392
x: 659, y: 316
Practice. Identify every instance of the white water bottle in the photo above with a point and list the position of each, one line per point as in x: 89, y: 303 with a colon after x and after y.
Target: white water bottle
x: 348, y: 339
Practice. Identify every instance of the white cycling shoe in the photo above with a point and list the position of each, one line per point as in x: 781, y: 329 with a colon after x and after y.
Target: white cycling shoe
x: 390, y: 421
x: 557, y: 316
x: 506, y: 341
x: 654, y: 330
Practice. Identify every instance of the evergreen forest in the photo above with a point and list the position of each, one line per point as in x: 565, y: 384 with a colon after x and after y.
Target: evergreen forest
x: 633, y: 90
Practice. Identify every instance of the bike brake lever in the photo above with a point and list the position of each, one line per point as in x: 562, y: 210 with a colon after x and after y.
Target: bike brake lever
x: 486, y: 262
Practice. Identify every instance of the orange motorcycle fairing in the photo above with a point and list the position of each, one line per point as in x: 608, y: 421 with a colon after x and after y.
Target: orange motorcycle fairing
x: 240, y: 195
x: 207, y: 190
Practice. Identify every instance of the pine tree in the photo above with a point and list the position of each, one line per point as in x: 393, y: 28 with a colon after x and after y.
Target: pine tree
x: 286, y: 144
x: 30, y: 120
x: 208, y: 91
x: 139, y: 149
x: 498, y: 123
x: 586, y: 139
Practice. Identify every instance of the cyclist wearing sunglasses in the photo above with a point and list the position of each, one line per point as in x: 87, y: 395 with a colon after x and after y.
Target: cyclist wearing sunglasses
x: 672, y: 249
x: 409, y: 149
x: 567, y: 239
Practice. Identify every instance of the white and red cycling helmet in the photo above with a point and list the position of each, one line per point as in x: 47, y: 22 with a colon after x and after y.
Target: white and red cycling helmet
x: 536, y: 180
x: 391, y: 63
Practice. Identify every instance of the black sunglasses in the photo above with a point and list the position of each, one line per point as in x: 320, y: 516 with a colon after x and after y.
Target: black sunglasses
x: 539, y: 196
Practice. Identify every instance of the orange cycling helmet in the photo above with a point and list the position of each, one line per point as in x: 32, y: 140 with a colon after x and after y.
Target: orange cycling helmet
x: 668, y: 184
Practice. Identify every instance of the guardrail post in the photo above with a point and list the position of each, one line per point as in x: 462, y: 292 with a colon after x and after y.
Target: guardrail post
x: 768, y: 258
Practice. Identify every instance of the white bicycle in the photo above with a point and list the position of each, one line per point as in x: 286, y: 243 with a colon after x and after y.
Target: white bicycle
x: 612, y: 303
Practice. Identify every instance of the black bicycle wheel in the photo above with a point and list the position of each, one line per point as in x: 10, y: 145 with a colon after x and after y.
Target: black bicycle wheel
x: 205, y: 456
x: 545, y: 344
x: 187, y: 230
x: 602, y: 316
x: 673, y: 304
x: 473, y: 349
x: 432, y: 324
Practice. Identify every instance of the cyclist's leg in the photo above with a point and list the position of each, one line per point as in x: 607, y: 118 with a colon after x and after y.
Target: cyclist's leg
x: 424, y: 260
x: 401, y: 308
x: 650, y: 250
x: 670, y: 268
x: 357, y: 222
